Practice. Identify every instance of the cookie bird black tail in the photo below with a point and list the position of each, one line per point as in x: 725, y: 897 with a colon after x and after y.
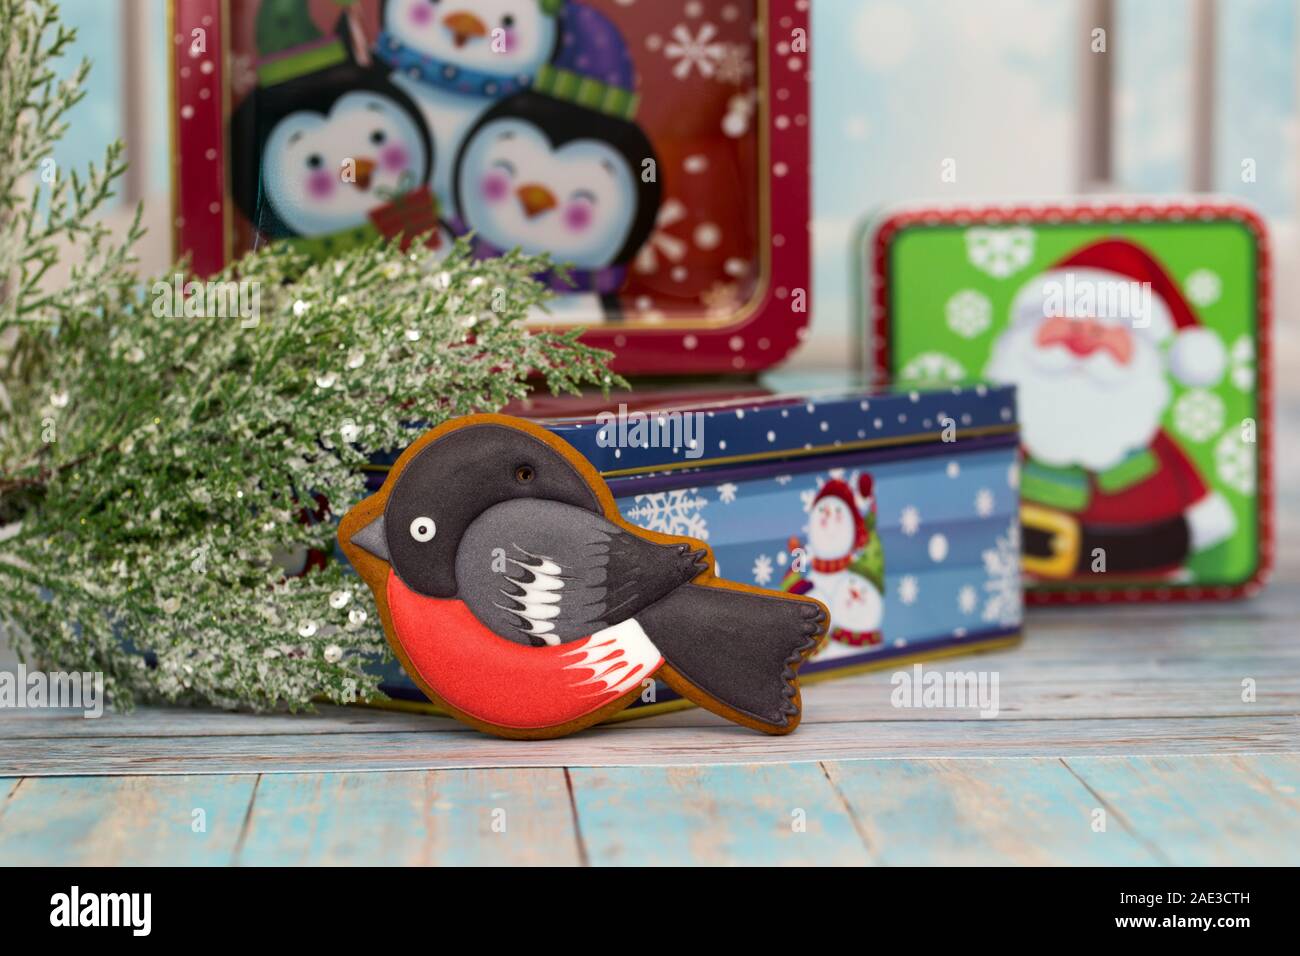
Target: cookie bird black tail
x: 735, y: 652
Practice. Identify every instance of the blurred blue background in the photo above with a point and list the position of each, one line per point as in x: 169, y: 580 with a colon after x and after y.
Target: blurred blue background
x: 902, y: 85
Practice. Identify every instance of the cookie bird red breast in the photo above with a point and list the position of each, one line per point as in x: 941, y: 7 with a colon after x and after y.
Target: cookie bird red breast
x: 518, y: 599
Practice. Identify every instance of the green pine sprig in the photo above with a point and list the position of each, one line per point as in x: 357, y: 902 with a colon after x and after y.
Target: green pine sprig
x: 161, y: 466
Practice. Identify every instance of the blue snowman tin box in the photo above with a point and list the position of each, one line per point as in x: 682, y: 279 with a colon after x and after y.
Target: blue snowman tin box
x: 896, y: 508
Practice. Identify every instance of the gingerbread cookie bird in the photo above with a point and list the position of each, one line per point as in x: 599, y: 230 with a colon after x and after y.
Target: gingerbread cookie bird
x: 519, y: 601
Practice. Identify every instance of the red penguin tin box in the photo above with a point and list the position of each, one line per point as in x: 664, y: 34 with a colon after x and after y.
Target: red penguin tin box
x: 658, y: 150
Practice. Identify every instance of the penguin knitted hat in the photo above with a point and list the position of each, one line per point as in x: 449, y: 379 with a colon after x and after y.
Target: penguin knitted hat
x: 290, y: 44
x: 593, y: 67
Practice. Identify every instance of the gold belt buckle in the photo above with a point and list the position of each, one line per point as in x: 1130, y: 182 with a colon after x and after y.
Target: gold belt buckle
x: 1064, y: 541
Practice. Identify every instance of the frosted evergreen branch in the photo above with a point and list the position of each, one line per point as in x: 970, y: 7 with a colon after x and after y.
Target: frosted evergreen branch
x: 166, y: 466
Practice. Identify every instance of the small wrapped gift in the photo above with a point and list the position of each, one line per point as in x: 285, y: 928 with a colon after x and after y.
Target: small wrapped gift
x: 410, y: 212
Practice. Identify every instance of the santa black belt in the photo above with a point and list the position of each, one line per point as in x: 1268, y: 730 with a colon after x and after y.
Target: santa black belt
x: 1057, y: 545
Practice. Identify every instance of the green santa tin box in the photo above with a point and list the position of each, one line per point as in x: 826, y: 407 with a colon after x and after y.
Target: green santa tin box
x: 1137, y: 336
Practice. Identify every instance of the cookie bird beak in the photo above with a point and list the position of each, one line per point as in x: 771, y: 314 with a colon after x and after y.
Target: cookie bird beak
x: 365, y: 169
x: 536, y: 199
x: 464, y: 26
x: 371, y: 538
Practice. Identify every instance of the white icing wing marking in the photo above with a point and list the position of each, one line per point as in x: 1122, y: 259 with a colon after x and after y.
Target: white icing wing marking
x: 620, y: 657
x: 541, y: 597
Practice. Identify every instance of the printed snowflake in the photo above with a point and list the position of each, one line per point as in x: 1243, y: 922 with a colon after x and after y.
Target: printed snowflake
x: 698, y: 52
x: 734, y: 66
x: 1198, y: 415
x: 969, y: 313
x: 662, y: 242
x: 671, y: 512
x: 931, y: 368
x: 1013, y: 475
x: 1241, y: 362
x: 1203, y: 287
x: 1002, y: 578
x: 762, y: 569
x: 984, y: 502
x: 727, y: 493
x: 1234, y: 462
x: 967, y: 599
x: 1000, y: 252
x: 908, y: 589
x: 740, y: 109
x: 910, y: 520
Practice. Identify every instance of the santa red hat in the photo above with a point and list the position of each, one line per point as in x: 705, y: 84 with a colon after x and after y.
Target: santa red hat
x: 838, y: 488
x: 1196, y: 355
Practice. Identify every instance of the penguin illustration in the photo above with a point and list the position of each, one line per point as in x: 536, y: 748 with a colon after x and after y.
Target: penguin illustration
x: 455, y: 58
x: 517, y: 598
x: 560, y: 169
x: 329, y: 142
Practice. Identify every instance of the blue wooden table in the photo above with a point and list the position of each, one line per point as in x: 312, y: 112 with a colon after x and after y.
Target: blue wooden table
x: 1123, y: 738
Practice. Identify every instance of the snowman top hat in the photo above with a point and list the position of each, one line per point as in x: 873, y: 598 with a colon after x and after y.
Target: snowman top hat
x: 593, y: 68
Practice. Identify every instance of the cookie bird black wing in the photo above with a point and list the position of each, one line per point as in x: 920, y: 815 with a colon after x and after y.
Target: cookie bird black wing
x: 541, y: 572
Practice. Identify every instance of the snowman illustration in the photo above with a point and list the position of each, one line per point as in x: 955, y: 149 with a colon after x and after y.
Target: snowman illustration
x: 843, y: 564
x: 456, y: 58
x: 557, y: 169
x: 334, y: 154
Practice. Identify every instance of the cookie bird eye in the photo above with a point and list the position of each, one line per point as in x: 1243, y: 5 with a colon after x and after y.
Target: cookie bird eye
x: 423, y: 529
x: 315, y: 161
x: 524, y: 474
x: 377, y: 137
x: 507, y: 21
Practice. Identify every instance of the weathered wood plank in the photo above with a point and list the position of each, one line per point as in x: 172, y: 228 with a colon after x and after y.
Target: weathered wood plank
x: 96, y: 821
x: 1053, y: 675
x: 630, y: 745
x: 765, y: 815
x: 1203, y: 810
x: 979, y: 812
x: 1147, y: 691
x: 194, y: 722
x: 1280, y: 771
x: 450, y: 817
x: 7, y: 787
x: 867, y: 697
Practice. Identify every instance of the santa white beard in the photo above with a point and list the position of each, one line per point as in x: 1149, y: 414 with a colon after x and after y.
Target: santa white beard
x: 1089, y: 412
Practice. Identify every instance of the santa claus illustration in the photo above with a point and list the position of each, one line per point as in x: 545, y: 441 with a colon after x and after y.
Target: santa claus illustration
x: 843, y: 566
x: 1092, y: 346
